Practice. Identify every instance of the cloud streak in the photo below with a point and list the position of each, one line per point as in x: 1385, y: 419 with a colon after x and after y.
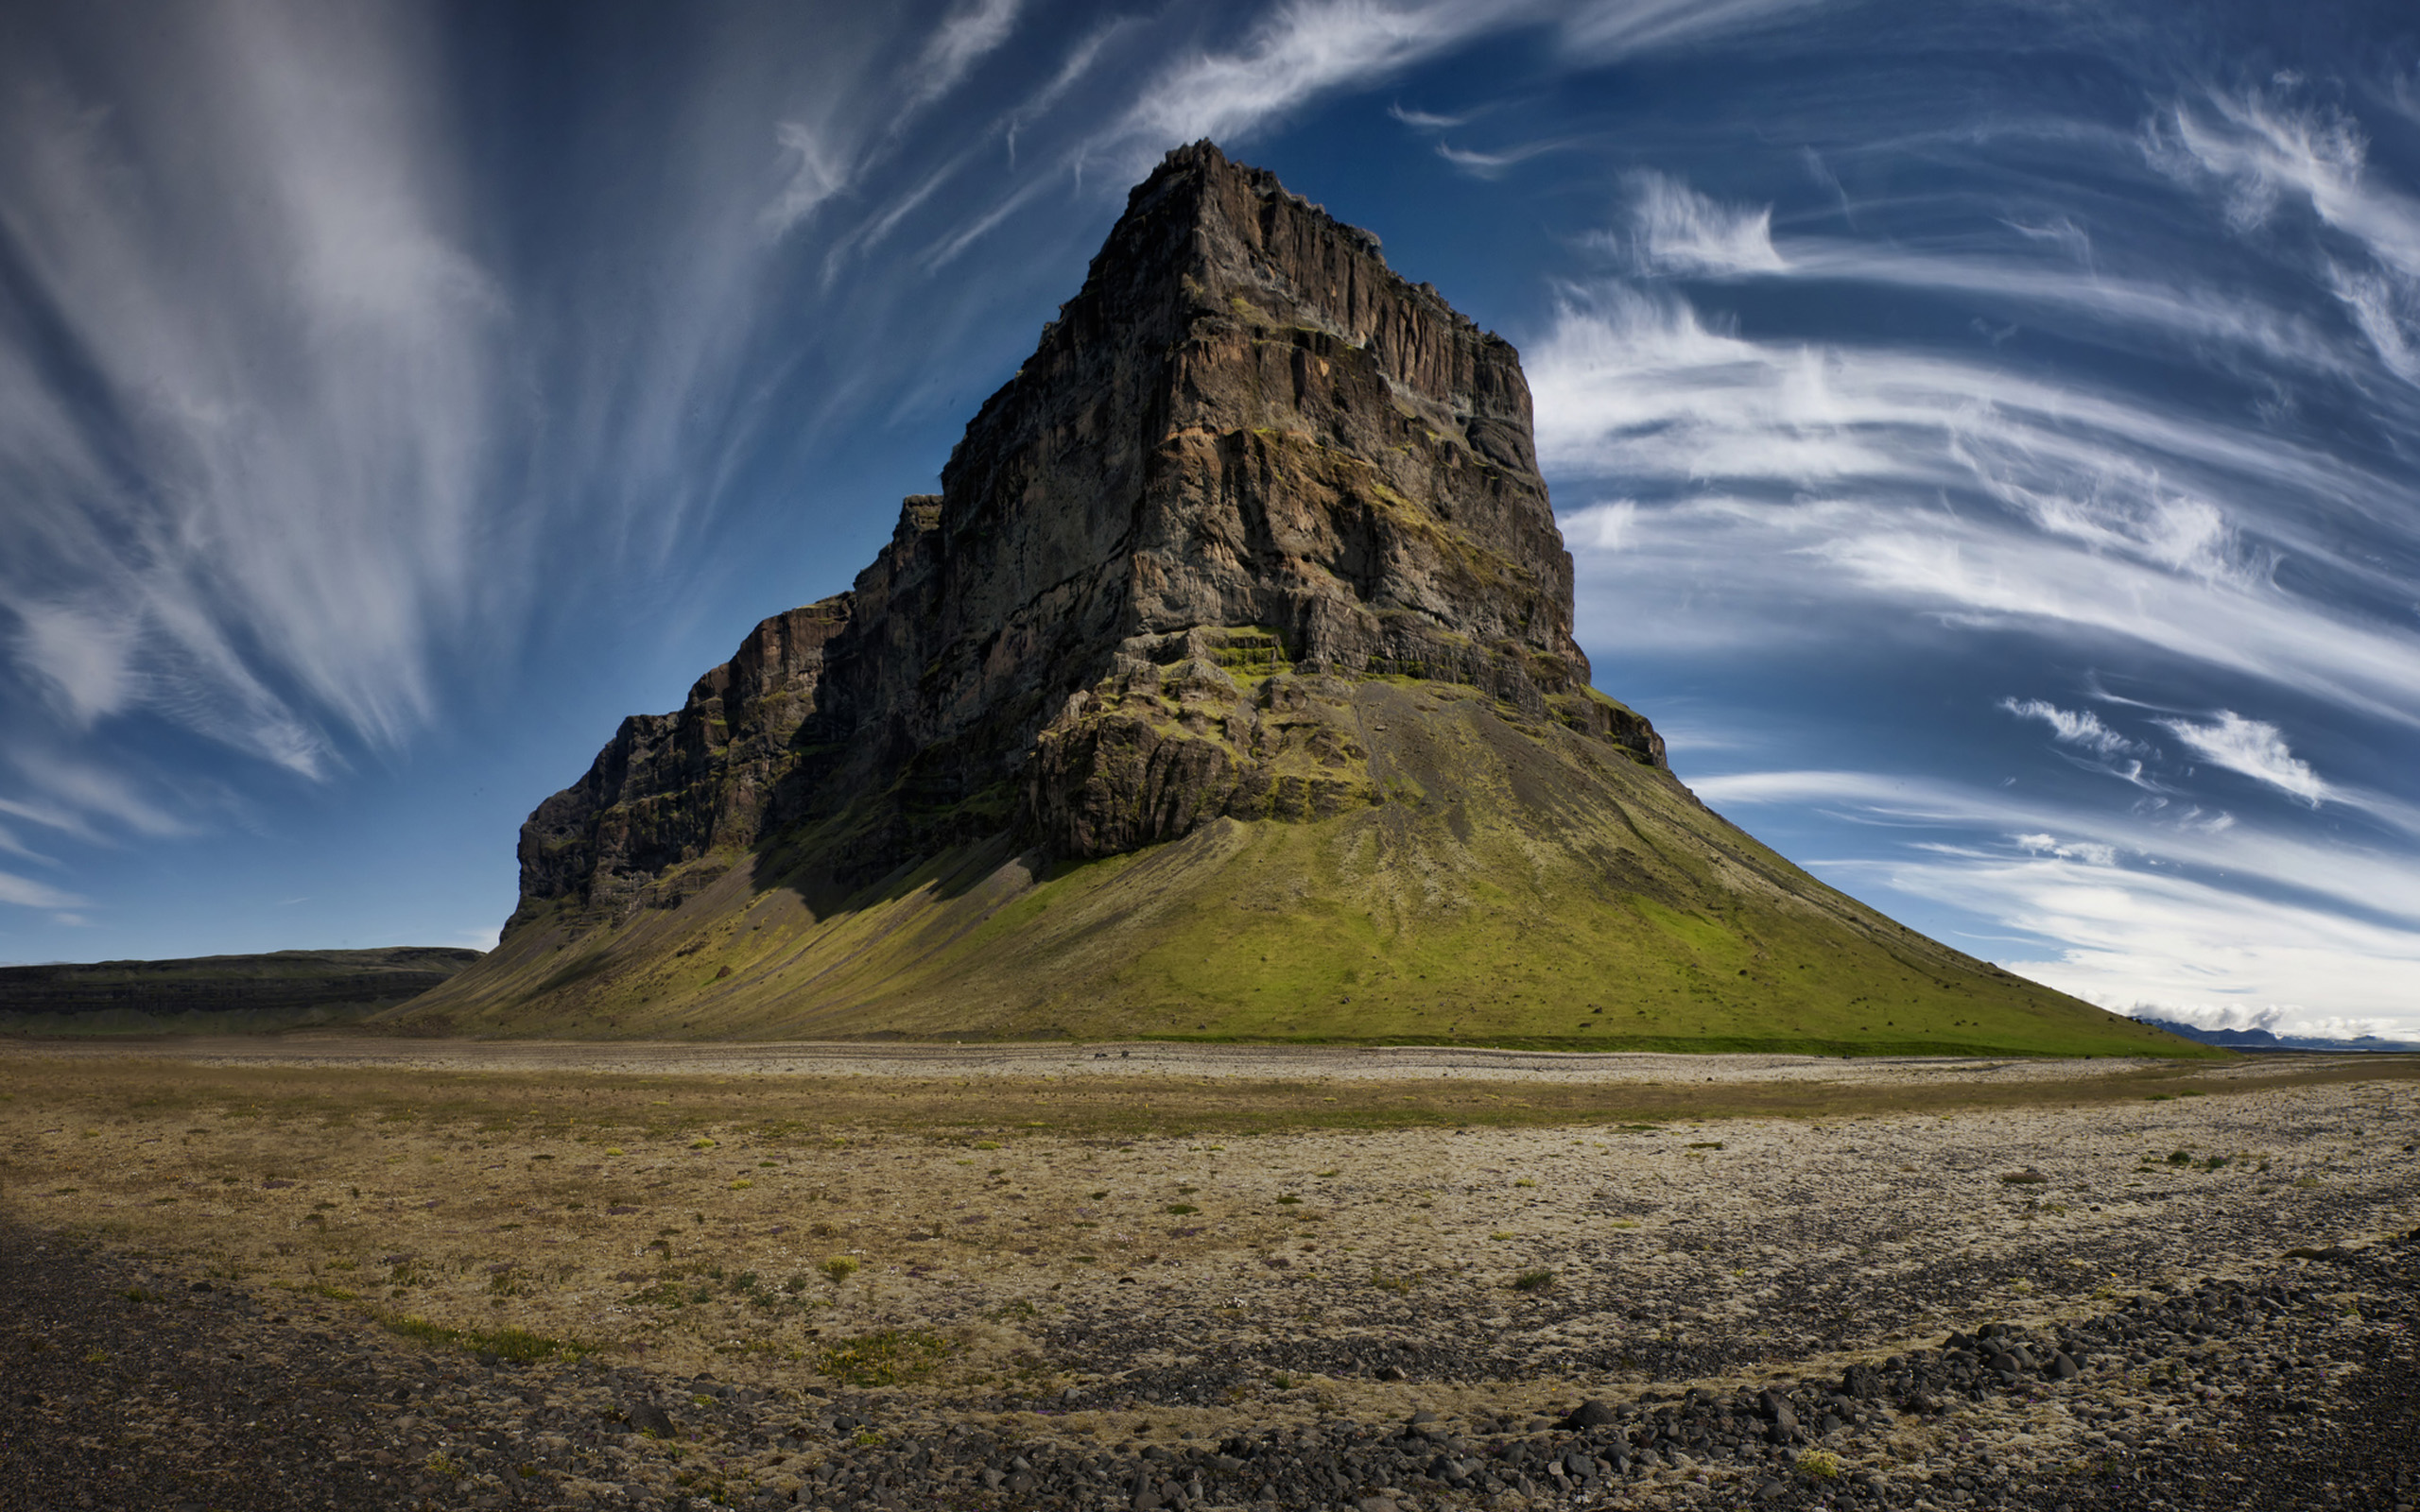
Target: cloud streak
x: 2140, y: 912
x: 2252, y: 747
x: 2079, y: 727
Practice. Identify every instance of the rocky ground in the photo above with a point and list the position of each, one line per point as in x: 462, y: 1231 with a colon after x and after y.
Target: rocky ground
x: 2188, y: 1302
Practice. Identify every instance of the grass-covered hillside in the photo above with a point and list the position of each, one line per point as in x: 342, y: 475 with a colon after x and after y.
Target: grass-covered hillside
x: 1514, y: 883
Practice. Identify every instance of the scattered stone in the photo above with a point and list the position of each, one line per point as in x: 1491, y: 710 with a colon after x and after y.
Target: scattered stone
x: 647, y: 1418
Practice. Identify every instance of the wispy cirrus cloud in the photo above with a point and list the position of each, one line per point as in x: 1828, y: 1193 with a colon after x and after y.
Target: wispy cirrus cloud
x: 970, y: 32
x: 1675, y: 229
x: 269, y: 494
x: 818, y: 169
x: 2265, y: 151
x: 2079, y: 727
x: 2139, y: 910
x: 1936, y: 483
x: 27, y: 893
x: 2254, y: 748
x: 1301, y: 50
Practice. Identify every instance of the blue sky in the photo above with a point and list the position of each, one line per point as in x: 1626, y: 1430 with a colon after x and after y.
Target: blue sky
x: 1986, y: 432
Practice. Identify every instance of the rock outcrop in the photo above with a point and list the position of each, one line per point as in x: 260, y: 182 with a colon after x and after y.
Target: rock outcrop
x: 1227, y: 687
x: 1244, y: 451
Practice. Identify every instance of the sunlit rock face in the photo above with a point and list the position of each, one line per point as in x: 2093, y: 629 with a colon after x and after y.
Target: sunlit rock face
x: 1246, y: 467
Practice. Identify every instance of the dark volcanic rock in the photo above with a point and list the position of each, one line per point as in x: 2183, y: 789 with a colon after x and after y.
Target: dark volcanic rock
x: 1245, y: 455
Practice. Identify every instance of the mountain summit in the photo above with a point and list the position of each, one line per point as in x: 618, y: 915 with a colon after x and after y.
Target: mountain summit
x: 1226, y: 688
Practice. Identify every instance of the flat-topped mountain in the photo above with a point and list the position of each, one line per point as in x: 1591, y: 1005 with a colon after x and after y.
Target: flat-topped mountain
x: 224, y: 993
x: 1227, y: 687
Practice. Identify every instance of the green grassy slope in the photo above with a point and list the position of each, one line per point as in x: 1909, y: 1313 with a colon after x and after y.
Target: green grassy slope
x: 1519, y: 884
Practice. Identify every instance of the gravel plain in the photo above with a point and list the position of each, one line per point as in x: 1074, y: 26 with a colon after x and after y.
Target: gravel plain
x: 2196, y: 1298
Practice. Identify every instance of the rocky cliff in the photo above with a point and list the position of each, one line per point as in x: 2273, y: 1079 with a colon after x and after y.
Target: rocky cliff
x: 1231, y: 667
x: 1246, y: 449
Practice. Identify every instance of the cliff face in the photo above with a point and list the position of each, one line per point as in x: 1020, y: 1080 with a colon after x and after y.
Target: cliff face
x: 1246, y: 452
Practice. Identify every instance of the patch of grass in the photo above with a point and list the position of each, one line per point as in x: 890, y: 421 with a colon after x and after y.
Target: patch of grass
x: 888, y: 1358
x: 837, y: 1268
x: 1821, y: 1465
x: 1533, y: 1280
x: 517, y: 1344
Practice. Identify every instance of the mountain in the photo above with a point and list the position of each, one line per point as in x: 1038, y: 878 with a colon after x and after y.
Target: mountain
x: 222, y: 994
x: 1226, y: 689
x: 2264, y: 1039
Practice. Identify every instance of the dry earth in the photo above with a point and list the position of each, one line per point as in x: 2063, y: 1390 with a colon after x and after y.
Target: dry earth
x: 1029, y: 1276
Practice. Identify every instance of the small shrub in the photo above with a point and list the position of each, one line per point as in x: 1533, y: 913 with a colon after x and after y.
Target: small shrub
x: 888, y: 1358
x: 1820, y: 1464
x: 2181, y: 1158
x: 1525, y: 1181
x: 838, y: 1268
x: 1533, y: 1280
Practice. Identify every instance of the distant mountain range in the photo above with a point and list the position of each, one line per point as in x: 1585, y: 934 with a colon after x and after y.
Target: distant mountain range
x: 2263, y: 1040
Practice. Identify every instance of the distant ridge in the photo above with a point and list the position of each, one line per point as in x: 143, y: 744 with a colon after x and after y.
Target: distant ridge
x: 222, y: 994
x: 1227, y: 690
x: 2262, y: 1039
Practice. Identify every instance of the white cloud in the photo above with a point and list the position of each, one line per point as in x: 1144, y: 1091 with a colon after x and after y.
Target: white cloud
x: 2259, y: 858
x: 297, y: 360
x: 970, y: 32
x: 1675, y: 229
x: 1600, y: 527
x: 818, y: 171
x: 2138, y: 908
x: 1488, y: 164
x: 27, y: 893
x: 2089, y: 852
x: 2136, y: 940
x: 1611, y: 29
x: 1802, y: 486
x: 1299, y: 51
x: 83, y: 655
x: 2264, y: 151
x: 2254, y: 749
x: 2079, y: 727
